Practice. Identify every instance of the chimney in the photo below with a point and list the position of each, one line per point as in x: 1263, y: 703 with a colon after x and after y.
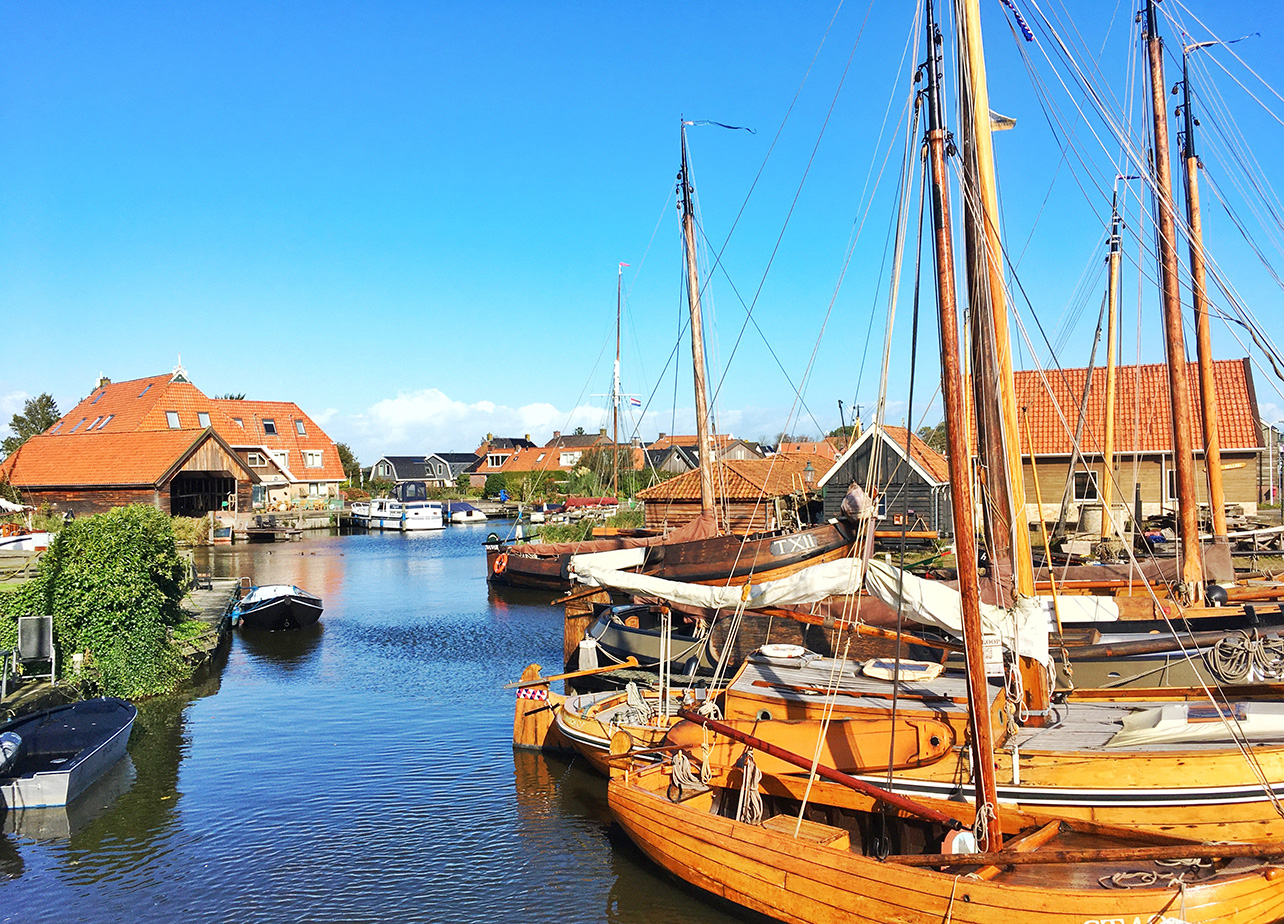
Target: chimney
x: 102, y: 380
x: 636, y: 442
x: 528, y: 437
x: 661, y: 436
x: 557, y: 434
x: 489, y: 437
x: 602, y: 432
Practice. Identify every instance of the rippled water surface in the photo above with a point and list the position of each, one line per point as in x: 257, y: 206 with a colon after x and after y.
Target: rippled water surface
x: 358, y: 771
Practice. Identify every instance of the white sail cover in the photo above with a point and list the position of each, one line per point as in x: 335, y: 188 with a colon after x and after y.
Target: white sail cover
x: 931, y: 603
x: 809, y: 585
x: 1184, y: 722
x: 10, y: 507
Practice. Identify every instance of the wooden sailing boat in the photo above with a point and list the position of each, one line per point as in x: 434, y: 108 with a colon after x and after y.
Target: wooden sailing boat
x: 825, y: 866
x: 699, y: 551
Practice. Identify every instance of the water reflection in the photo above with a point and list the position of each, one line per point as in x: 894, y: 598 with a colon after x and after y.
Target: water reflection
x: 358, y: 772
x: 287, y: 649
x: 62, y: 821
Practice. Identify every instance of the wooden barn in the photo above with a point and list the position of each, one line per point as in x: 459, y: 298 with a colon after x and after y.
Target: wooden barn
x: 753, y: 495
x: 147, y: 441
x: 913, y: 487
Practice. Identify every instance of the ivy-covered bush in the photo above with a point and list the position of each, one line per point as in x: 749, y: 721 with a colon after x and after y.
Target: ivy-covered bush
x: 113, y: 583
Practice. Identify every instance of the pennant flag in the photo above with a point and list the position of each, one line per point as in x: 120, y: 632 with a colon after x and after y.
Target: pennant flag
x: 532, y: 693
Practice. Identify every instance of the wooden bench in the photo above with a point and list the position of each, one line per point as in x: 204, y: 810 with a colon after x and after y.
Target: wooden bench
x: 813, y: 831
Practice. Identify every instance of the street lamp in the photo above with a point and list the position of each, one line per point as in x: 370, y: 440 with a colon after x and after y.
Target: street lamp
x: 809, y: 475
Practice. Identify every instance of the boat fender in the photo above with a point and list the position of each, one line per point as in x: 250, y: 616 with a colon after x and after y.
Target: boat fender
x: 501, y: 563
x: 10, y: 748
x: 962, y: 841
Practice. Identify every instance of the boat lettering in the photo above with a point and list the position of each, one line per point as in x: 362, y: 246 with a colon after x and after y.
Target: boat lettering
x: 791, y: 545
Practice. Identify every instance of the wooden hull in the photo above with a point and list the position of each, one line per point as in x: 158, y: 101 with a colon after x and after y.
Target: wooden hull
x: 819, y: 879
x: 721, y: 559
x: 1064, y: 771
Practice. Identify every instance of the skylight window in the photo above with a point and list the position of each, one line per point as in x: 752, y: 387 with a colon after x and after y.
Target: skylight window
x: 239, y: 422
x: 203, y: 419
x: 106, y: 420
x: 54, y: 431
x: 94, y: 424
x: 97, y: 396
x: 77, y: 426
x: 269, y: 426
x: 144, y: 391
x: 298, y: 426
x: 171, y: 417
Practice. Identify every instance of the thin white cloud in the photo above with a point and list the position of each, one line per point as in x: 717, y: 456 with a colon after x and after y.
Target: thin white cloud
x: 11, y: 403
x: 429, y: 420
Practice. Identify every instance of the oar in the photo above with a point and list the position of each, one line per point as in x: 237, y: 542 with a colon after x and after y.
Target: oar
x: 630, y: 661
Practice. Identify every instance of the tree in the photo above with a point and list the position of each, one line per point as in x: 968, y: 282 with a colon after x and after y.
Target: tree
x: 38, y: 415
x: 464, y: 482
x: 231, y: 396
x: 579, y: 431
x: 495, y: 483
x: 934, y: 436
x: 351, y: 467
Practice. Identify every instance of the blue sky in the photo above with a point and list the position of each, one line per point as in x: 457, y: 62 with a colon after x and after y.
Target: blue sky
x: 407, y: 217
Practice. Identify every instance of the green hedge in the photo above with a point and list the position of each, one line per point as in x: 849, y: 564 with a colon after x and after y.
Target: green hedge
x: 114, y: 584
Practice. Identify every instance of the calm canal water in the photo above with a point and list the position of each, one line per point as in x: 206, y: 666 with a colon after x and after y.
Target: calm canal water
x: 359, y: 771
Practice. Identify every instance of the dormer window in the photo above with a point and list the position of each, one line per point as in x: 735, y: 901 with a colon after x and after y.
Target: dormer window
x: 203, y: 419
x: 269, y: 426
x: 495, y: 459
x: 298, y: 426
x: 257, y: 460
x: 171, y: 418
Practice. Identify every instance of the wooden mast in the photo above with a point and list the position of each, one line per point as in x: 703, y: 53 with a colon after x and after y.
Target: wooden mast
x: 1178, y: 387
x: 615, y: 390
x: 1203, y: 337
x: 999, y: 439
x: 697, y: 335
x: 1107, y: 492
x: 994, y: 391
x: 956, y: 437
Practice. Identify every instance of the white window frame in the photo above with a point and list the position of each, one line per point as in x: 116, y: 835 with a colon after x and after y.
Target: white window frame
x: 569, y: 458
x: 496, y: 459
x: 171, y: 418
x: 312, y: 458
x: 298, y: 427
x: 281, y: 457
x: 203, y: 419
x: 269, y: 426
x: 256, y: 460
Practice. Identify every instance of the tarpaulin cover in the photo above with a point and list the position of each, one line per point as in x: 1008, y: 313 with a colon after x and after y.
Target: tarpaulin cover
x: 808, y: 585
x: 931, y: 603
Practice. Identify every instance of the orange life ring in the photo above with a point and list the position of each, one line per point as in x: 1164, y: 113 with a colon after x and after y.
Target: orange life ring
x: 501, y: 563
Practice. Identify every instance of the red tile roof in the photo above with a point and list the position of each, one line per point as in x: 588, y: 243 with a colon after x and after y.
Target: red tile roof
x: 829, y: 449
x: 99, y: 459
x: 122, y: 434
x: 932, y: 461
x: 736, y: 479
x: 1142, y: 416
x: 285, y: 415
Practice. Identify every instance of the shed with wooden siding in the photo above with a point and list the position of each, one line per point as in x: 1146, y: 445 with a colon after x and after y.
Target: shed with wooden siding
x: 911, y: 480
